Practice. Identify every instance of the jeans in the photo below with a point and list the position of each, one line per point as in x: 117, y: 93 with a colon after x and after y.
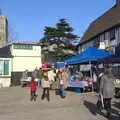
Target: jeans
x: 62, y: 90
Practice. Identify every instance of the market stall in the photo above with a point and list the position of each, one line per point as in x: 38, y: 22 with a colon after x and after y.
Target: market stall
x: 90, y: 55
x: 80, y: 80
x: 87, y: 57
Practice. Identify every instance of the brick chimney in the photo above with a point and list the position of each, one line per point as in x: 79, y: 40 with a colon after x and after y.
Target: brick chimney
x: 118, y: 2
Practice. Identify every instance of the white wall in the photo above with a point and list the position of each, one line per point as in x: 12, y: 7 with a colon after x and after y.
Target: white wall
x: 5, y: 82
x: 23, y: 63
x: 26, y: 59
x: 36, y: 51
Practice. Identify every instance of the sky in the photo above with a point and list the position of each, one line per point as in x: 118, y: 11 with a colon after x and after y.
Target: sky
x: 28, y: 18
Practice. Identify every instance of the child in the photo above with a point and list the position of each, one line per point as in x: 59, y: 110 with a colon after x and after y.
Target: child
x: 33, y: 87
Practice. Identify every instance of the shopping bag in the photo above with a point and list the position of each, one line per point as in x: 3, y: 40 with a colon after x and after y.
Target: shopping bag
x: 100, y: 102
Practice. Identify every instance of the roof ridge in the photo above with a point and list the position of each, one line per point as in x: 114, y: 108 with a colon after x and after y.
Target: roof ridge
x: 100, y: 24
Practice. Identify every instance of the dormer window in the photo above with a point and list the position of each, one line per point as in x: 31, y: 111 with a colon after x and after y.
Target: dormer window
x: 112, y: 34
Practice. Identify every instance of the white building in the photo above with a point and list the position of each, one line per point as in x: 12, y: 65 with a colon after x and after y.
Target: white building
x: 17, y: 57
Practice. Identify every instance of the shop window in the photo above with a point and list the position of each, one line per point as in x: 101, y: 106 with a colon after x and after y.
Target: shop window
x: 112, y: 34
x: 104, y: 36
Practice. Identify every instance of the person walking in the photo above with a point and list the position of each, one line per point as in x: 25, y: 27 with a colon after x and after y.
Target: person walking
x: 63, y: 82
x: 51, y: 77
x: 33, y: 88
x: 107, y: 90
x: 46, y: 86
x: 57, y: 83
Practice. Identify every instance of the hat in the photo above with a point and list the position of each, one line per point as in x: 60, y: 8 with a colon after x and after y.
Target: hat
x: 45, y: 74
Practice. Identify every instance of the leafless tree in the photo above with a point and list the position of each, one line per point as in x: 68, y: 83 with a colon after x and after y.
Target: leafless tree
x: 0, y: 12
x: 12, y: 34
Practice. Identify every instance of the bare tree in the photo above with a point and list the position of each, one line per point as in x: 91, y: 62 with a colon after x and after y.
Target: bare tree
x: 0, y: 12
x: 12, y: 34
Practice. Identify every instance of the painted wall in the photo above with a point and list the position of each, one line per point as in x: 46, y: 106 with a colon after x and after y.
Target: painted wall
x: 23, y: 63
x: 35, y: 51
x: 5, y: 82
x: 26, y: 59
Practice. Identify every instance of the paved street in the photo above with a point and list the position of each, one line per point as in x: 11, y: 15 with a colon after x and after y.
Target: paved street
x: 15, y: 105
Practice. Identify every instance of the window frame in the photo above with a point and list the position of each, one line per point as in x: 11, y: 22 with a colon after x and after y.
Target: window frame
x: 112, y: 34
x: 4, y: 71
x: 23, y: 46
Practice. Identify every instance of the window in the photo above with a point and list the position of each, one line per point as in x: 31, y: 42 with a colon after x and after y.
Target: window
x: 112, y: 34
x: 4, y: 67
x: 104, y: 36
x: 1, y: 67
x: 23, y: 47
x: 96, y: 42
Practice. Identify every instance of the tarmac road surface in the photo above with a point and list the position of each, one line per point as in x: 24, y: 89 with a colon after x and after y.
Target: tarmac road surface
x: 15, y: 104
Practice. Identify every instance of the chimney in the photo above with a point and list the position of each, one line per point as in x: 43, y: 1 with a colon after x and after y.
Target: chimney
x: 118, y: 2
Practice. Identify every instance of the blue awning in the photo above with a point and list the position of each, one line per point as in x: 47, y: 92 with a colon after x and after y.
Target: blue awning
x: 60, y: 64
x: 90, y: 54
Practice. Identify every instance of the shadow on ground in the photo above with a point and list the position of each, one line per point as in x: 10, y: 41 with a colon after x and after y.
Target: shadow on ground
x: 117, y: 105
x: 93, y: 109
